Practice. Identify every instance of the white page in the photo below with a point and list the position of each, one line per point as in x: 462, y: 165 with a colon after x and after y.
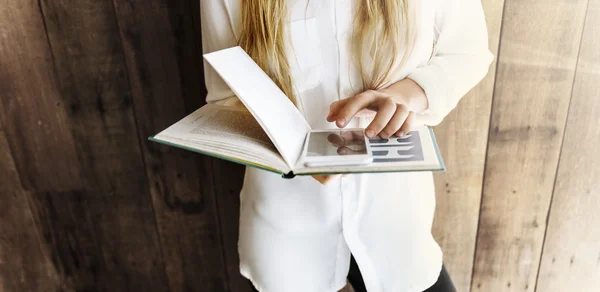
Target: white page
x: 281, y: 120
x: 226, y: 131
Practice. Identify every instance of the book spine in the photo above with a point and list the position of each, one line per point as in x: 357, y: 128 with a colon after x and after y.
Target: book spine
x: 288, y: 175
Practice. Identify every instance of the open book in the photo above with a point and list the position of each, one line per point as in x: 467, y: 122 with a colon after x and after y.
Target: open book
x: 270, y: 132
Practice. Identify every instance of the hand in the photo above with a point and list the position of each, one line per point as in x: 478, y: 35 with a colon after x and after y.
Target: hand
x: 395, y: 108
x: 324, y: 179
x: 391, y: 118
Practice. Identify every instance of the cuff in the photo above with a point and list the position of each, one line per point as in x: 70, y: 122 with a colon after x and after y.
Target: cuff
x: 433, y: 85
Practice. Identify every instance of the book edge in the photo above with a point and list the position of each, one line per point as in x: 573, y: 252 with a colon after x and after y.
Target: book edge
x: 370, y: 171
x: 224, y: 157
x: 437, y: 150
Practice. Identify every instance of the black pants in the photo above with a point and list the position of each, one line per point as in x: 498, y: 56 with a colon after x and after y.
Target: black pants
x: 443, y: 284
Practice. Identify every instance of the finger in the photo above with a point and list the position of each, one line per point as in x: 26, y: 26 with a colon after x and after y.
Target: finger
x: 334, y: 108
x: 336, y: 140
x: 328, y: 178
x: 353, y: 137
x: 348, y: 136
x: 353, y: 106
x: 348, y: 151
x: 407, y: 126
x: 358, y: 136
x: 385, y: 112
x: 366, y: 113
x: 319, y: 178
x: 396, y: 122
x: 324, y: 179
x: 344, y: 150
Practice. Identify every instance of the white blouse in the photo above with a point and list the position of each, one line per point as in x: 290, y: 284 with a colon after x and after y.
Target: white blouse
x: 298, y: 235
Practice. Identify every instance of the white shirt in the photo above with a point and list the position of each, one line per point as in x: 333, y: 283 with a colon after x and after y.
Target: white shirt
x: 298, y: 235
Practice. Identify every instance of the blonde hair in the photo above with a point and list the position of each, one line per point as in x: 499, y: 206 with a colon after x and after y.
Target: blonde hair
x: 384, y: 30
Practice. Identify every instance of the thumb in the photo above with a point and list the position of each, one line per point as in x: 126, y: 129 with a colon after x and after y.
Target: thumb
x: 334, y: 109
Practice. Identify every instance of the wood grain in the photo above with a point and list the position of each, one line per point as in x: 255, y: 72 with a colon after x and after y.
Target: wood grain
x: 536, y: 68
x: 23, y: 265
x: 35, y: 117
x: 161, y: 48
x: 227, y: 179
x: 87, y: 204
x: 571, y: 255
x: 102, y: 235
x: 463, y: 140
x: 228, y: 184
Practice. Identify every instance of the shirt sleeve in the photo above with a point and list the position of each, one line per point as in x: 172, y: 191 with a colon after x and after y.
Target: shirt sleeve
x: 217, y: 34
x: 460, y: 60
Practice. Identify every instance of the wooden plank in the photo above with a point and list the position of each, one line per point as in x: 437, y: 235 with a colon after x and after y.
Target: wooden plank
x: 537, y: 59
x: 463, y: 140
x: 102, y: 235
x: 35, y: 115
x: 571, y: 257
x: 23, y: 265
x: 93, y: 247
x: 228, y: 184
x: 161, y: 48
x: 228, y: 179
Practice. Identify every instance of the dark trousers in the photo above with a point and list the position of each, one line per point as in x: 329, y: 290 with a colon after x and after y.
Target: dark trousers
x: 443, y: 284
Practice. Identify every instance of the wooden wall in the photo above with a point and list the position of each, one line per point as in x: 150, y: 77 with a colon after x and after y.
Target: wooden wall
x: 88, y: 204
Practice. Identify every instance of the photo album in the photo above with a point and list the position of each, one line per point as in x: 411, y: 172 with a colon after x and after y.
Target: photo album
x: 270, y: 132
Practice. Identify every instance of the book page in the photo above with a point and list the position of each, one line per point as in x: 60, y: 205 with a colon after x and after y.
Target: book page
x: 278, y: 116
x: 225, y: 131
x: 413, y: 152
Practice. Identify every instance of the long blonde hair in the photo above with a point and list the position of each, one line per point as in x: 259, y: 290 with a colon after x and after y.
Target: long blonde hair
x: 384, y: 30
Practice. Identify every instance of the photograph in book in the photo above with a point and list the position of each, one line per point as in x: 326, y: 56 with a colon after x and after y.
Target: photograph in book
x: 398, y: 149
x: 416, y: 151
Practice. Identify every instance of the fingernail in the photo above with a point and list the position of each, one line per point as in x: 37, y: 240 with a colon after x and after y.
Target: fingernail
x: 401, y: 134
x: 341, y: 122
x: 370, y: 133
